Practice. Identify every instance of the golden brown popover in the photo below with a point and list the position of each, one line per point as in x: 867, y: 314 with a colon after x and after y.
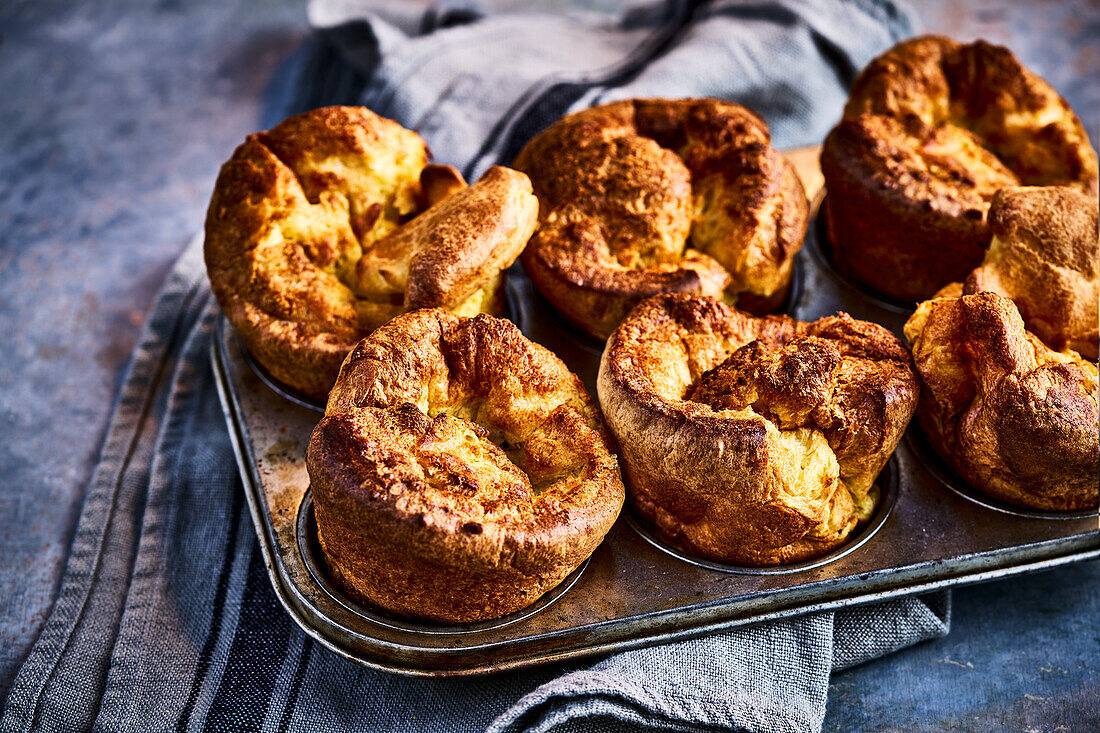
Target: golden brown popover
x: 1044, y: 257
x: 1012, y: 417
x: 460, y: 471
x: 651, y: 196
x: 932, y: 130
x: 332, y: 222
x: 753, y: 441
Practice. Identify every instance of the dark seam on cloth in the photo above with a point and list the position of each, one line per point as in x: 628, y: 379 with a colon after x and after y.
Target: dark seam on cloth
x: 454, y: 89
x: 214, y: 631
x: 838, y: 62
x: 164, y: 461
x: 147, y: 403
x: 260, y: 643
x: 435, y: 19
x: 691, y: 14
x: 384, y: 96
x: 527, y: 105
x: 887, y: 13
x: 305, y: 654
x: 327, y: 68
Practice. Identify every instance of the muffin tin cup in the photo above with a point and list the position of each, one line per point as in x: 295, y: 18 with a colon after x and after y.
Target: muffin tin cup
x: 919, y: 444
x: 313, y: 557
x: 887, y: 483
x: 283, y: 390
x: 524, y: 301
x: 634, y: 591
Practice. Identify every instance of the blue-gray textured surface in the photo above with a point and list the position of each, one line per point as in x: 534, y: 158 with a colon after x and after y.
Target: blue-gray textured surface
x: 112, y: 123
x: 114, y: 118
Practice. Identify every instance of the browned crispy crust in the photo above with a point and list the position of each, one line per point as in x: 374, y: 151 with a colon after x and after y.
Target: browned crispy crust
x: 1043, y: 257
x: 932, y: 129
x: 752, y: 440
x: 1013, y: 418
x: 650, y: 196
x: 460, y: 471
x: 332, y: 222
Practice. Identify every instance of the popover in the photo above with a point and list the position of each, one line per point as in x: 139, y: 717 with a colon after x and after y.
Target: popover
x: 753, y: 441
x: 332, y: 222
x: 1044, y: 257
x: 649, y: 196
x: 1014, y: 418
x: 932, y: 130
x: 460, y: 471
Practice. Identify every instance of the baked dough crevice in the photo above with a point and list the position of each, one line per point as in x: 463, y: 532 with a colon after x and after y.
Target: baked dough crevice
x: 333, y: 222
x: 648, y: 196
x: 460, y: 471
x: 752, y: 440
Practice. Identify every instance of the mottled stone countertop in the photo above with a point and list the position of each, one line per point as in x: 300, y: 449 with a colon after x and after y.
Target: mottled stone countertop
x: 114, y: 118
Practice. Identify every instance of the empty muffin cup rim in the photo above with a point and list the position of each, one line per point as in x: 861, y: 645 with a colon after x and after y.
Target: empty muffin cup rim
x: 313, y: 558
x: 888, y: 483
x: 935, y: 464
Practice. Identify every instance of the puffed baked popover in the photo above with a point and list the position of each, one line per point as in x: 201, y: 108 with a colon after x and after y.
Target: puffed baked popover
x: 1014, y: 418
x: 333, y: 222
x: 1008, y: 358
x: 1045, y: 257
x: 932, y: 130
x: 650, y: 196
x: 753, y: 441
x: 460, y: 471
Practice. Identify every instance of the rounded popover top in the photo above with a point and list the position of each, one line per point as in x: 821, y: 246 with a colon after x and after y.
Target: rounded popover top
x: 977, y: 93
x: 647, y: 196
x: 460, y: 470
x: 1045, y: 257
x: 932, y: 130
x: 329, y: 224
x: 1013, y: 417
x: 753, y: 440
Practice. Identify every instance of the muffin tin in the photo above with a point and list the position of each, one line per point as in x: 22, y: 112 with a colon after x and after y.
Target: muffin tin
x: 930, y: 531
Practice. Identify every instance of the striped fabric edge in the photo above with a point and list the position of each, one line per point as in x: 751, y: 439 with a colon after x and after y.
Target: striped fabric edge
x: 143, y: 381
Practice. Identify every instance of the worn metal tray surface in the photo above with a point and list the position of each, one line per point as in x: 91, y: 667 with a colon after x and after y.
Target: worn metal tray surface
x: 930, y: 532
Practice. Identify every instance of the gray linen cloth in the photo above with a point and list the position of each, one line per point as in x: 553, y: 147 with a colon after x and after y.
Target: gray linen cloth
x: 165, y: 619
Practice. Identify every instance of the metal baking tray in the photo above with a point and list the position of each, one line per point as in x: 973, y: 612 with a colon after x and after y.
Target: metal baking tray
x: 930, y: 532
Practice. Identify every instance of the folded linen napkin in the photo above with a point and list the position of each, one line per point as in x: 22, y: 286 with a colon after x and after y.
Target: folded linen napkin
x: 165, y: 619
